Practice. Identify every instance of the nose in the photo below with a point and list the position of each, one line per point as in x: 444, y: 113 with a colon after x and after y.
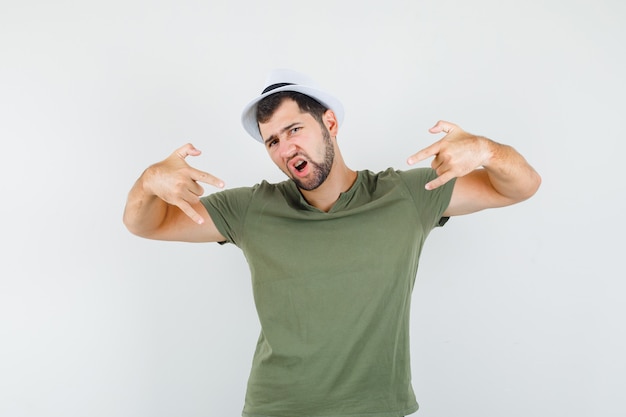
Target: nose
x: 287, y: 148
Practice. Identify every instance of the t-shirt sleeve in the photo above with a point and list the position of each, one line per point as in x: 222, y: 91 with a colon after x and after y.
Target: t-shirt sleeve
x: 228, y: 211
x: 431, y: 204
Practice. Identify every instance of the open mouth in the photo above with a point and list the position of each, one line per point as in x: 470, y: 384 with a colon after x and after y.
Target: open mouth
x: 300, y: 165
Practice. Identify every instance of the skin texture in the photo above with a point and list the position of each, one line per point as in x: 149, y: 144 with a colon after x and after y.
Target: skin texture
x: 164, y: 203
x: 319, y: 168
x: 292, y: 136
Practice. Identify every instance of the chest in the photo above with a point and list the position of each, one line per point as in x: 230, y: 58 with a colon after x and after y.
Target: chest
x: 367, y: 240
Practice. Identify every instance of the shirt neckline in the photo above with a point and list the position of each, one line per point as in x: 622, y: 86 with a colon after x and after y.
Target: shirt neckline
x: 342, y: 200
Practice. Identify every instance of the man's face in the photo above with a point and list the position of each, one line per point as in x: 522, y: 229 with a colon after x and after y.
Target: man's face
x: 299, y: 145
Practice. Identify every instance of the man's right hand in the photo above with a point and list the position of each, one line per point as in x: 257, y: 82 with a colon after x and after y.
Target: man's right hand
x: 174, y: 181
x: 164, y: 203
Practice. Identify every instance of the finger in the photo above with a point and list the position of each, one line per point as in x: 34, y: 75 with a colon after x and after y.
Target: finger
x: 439, y: 181
x: 437, y: 163
x: 190, y: 212
x: 442, y: 126
x: 425, y: 153
x: 197, y: 175
x: 187, y: 150
x: 206, y: 178
x: 195, y: 189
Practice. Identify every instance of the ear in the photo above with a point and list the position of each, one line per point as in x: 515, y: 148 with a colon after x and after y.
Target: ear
x: 330, y: 120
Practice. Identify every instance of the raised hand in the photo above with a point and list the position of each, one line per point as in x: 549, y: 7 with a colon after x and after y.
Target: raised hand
x: 177, y: 183
x: 456, y: 154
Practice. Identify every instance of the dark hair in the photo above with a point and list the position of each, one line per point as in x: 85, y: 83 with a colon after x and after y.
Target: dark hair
x: 266, y: 107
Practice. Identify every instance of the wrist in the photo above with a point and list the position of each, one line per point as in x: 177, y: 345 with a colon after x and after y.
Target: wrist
x: 492, y: 151
x: 486, y: 150
x: 147, y: 178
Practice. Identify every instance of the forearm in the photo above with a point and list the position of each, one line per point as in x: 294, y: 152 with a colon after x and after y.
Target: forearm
x: 509, y: 172
x: 144, y: 211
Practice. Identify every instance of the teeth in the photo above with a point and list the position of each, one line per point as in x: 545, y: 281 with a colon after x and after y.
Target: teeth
x: 299, y: 165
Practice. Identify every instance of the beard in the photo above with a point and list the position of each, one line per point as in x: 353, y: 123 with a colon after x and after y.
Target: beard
x: 319, y: 170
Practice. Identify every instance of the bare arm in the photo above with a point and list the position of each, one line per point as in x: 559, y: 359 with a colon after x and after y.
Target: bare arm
x: 164, y: 203
x: 489, y: 174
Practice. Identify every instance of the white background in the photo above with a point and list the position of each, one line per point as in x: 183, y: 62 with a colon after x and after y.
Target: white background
x: 517, y: 311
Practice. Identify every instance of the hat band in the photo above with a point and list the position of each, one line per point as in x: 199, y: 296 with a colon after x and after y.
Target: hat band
x: 275, y: 86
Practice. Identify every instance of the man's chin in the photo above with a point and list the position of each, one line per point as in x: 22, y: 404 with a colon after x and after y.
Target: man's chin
x: 313, y: 183
x: 306, y: 186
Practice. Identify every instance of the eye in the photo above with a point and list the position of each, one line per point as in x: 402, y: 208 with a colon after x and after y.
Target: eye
x: 272, y: 142
x: 295, y: 130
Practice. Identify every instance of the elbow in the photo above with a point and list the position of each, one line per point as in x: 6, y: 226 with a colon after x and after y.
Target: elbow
x: 536, y: 183
x: 133, y: 226
x: 130, y: 226
x: 533, y: 184
x: 522, y: 192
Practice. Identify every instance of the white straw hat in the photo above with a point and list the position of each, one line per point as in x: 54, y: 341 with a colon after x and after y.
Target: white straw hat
x: 288, y: 80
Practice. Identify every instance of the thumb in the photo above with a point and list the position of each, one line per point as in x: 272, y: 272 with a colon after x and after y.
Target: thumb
x: 442, y: 126
x: 187, y: 150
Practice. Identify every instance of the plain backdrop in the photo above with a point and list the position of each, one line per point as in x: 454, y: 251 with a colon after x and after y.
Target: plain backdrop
x: 516, y: 311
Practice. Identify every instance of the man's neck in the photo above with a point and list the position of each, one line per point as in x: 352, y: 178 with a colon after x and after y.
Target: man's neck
x: 324, y: 197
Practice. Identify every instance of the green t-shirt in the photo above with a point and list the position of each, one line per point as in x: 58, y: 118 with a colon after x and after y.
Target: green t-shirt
x: 332, y: 291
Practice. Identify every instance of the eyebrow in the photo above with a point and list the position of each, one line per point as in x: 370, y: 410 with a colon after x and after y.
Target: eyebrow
x: 283, y: 130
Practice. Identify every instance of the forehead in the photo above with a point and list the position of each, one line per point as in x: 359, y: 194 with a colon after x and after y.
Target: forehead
x: 286, y: 114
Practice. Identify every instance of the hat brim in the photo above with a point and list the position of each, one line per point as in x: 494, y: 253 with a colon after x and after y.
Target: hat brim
x: 248, y: 116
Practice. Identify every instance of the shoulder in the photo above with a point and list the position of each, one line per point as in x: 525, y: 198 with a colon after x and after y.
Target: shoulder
x: 393, y: 177
x: 241, y: 198
x: 415, y: 181
x: 417, y: 174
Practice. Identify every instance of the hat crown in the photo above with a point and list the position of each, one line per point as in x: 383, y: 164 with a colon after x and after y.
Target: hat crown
x: 287, y: 76
x: 283, y: 79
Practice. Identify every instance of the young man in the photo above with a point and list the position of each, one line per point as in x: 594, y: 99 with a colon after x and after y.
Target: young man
x: 333, y: 253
